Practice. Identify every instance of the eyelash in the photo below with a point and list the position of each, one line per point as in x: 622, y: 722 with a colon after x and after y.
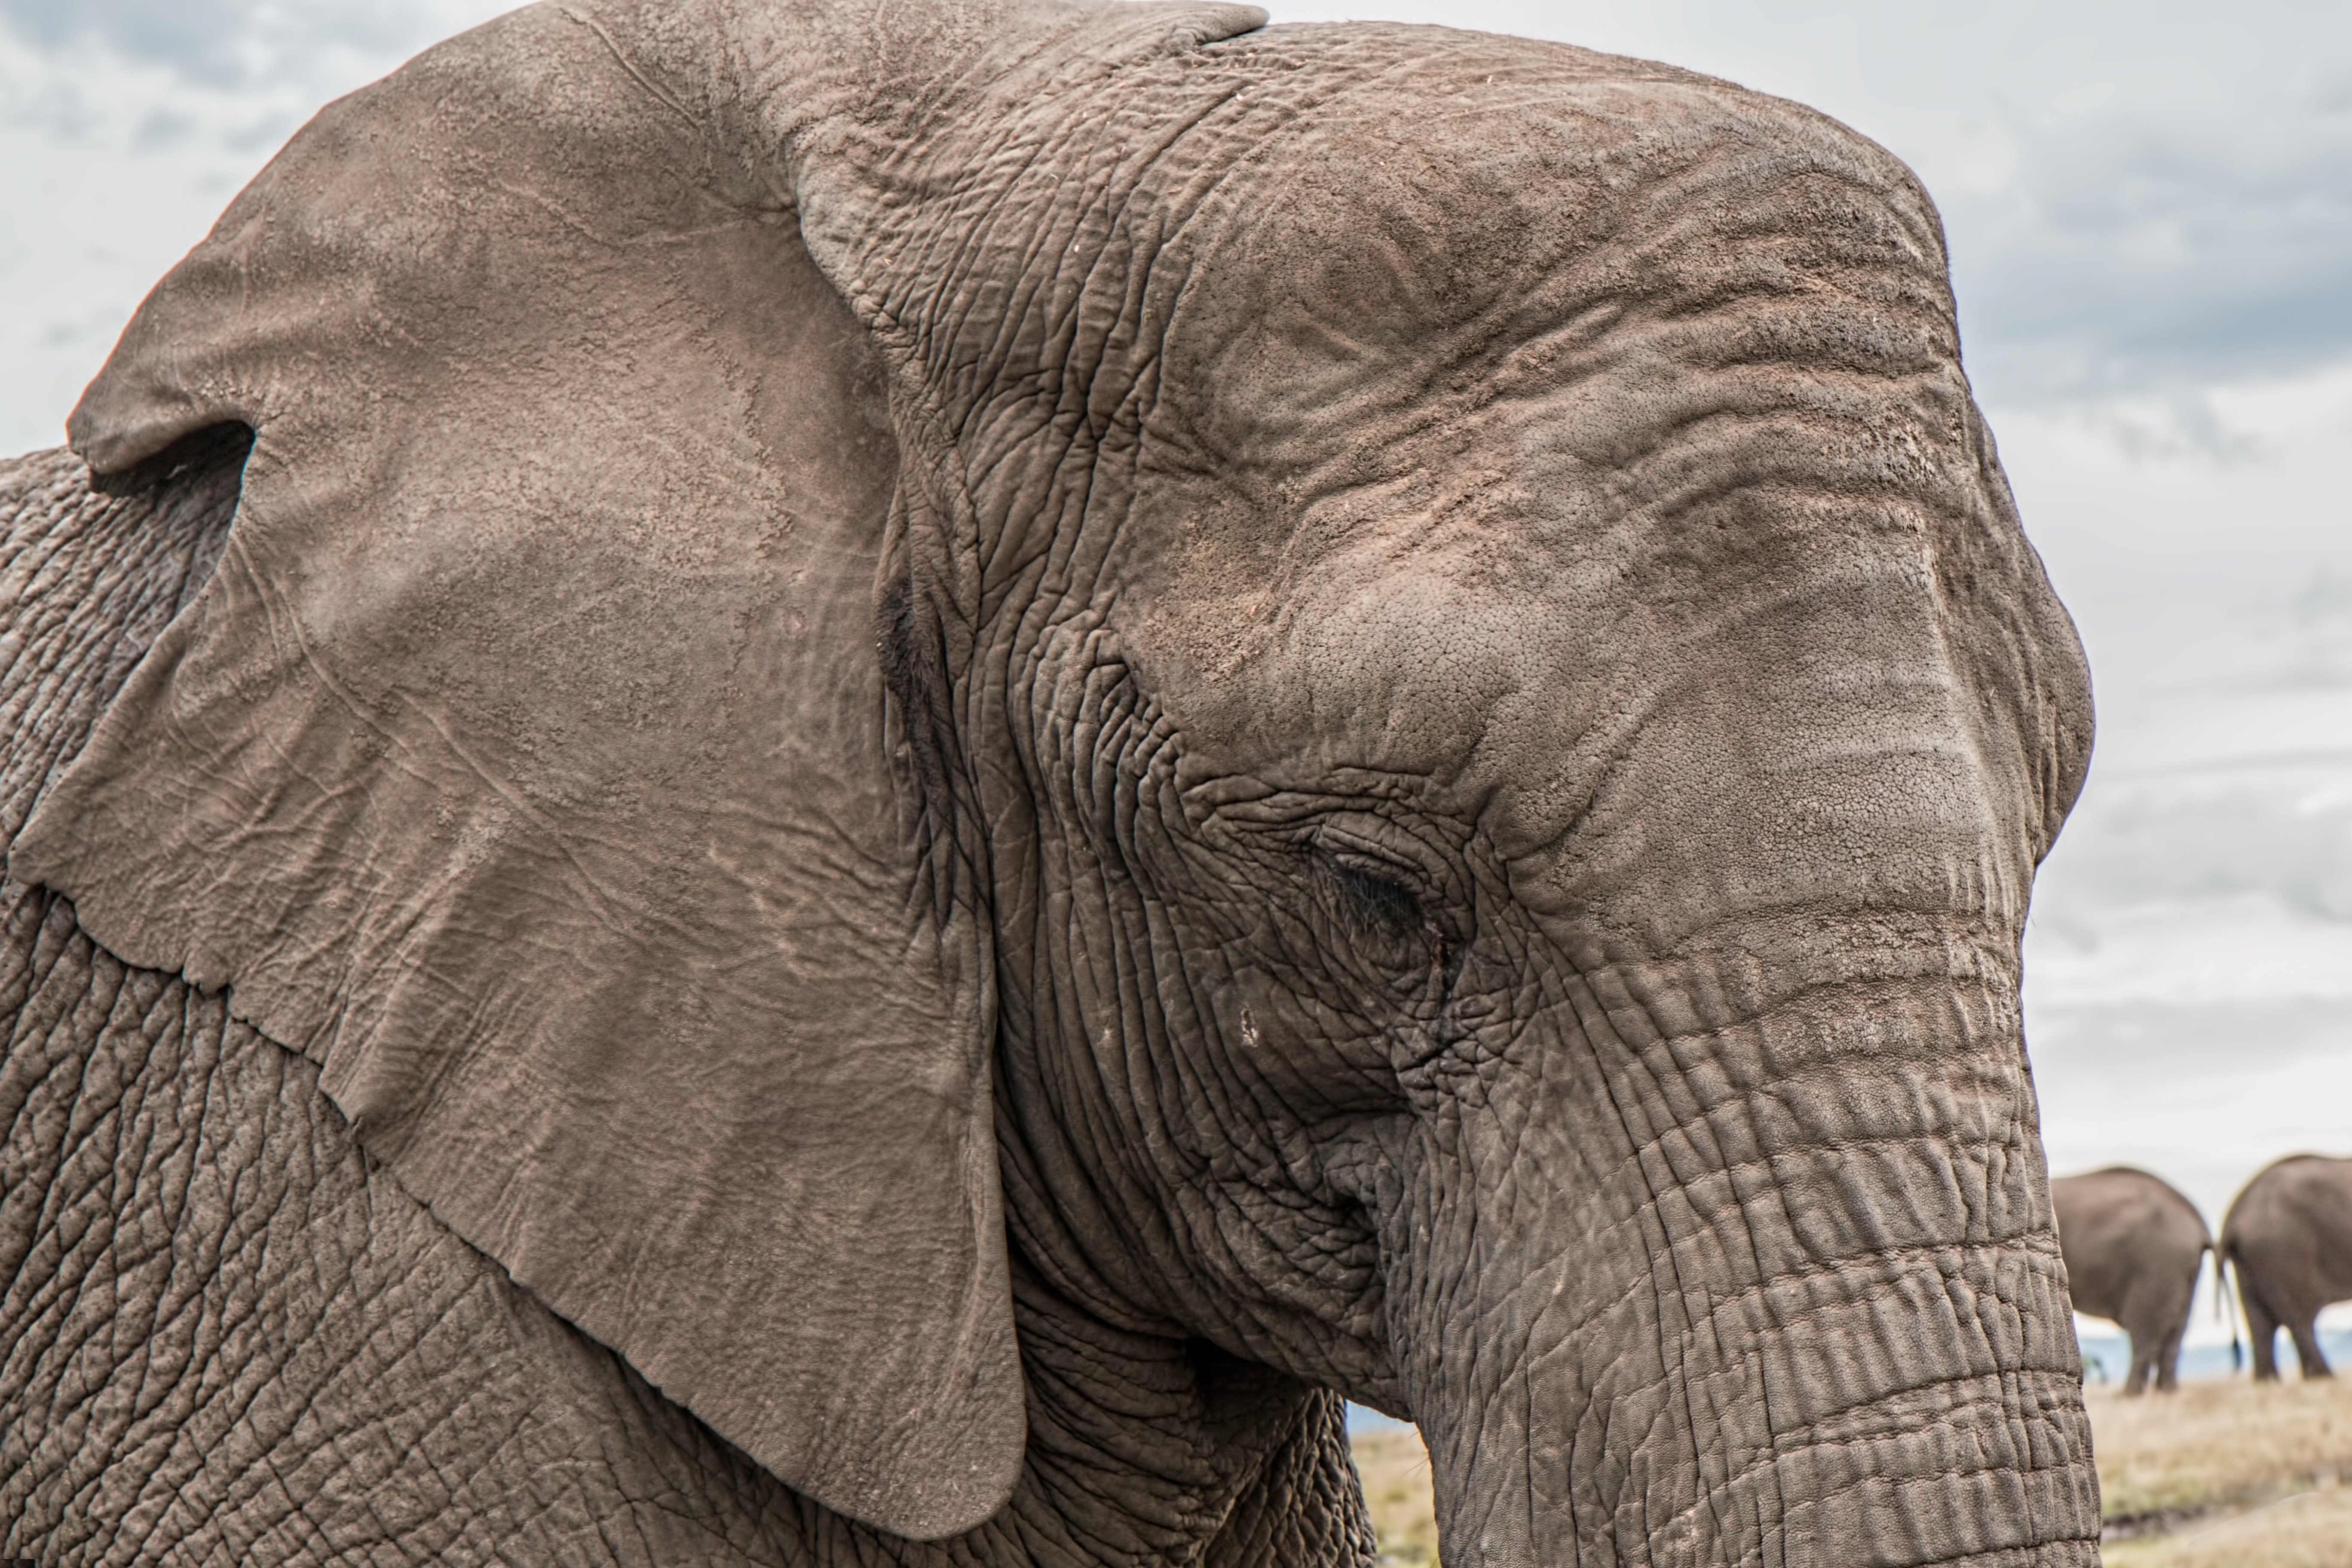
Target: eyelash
x: 1374, y: 903
x: 1382, y: 904
x: 1386, y: 912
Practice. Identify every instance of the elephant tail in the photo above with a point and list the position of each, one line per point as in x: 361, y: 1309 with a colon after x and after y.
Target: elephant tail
x: 2223, y: 1308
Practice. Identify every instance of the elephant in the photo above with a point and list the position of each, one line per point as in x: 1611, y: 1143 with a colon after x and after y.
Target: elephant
x: 811, y: 782
x: 2133, y: 1248
x: 2288, y: 1234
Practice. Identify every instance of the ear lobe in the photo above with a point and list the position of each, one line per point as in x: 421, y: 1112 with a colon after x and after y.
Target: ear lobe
x: 528, y: 762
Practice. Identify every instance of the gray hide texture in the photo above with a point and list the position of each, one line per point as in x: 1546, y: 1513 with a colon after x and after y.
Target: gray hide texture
x: 2133, y: 1246
x: 229, y: 1336
x: 1362, y: 703
x: 2289, y: 1236
x: 520, y: 780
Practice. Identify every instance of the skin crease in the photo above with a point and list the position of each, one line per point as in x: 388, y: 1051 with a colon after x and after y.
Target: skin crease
x: 2133, y: 1246
x: 2288, y: 1240
x: 1453, y: 639
x: 229, y: 1334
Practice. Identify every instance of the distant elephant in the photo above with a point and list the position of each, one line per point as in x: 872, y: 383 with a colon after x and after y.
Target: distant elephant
x: 936, y: 759
x: 2133, y: 1248
x: 2289, y: 1236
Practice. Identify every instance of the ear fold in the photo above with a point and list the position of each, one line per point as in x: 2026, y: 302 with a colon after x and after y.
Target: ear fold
x: 528, y: 761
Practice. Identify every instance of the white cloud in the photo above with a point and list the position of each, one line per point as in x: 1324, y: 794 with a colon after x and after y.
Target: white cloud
x: 125, y: 127
x: 2165, y: 247
x: 2270, y: 840
x: 2190, y: 961
x: 237, y: 43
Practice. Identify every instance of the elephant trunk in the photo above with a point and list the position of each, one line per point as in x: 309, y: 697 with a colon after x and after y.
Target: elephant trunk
x: 1769, y: 1278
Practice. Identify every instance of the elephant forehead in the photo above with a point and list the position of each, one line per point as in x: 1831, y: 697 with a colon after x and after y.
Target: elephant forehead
x: 1502, y: 676
x: 1457, y: 219
x: 1802, y: 738
x: 1379, y: 665
x: 1505, y: 385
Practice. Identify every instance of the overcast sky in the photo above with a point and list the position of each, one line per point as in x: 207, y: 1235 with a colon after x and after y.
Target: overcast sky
x: 2149, y: 207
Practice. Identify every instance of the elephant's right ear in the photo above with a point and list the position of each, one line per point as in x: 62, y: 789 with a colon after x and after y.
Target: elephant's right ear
x: 529, y: 761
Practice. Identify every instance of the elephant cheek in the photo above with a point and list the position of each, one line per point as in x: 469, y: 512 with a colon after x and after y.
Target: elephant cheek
x: 1249, y: 1017
x: 1271, y: 1031
x: 1781, y: 1288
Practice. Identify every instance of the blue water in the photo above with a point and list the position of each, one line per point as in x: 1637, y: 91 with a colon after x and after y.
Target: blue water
x: 2112, y: 1354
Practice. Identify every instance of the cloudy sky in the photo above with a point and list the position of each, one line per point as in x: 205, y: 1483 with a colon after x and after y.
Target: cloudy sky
x: 2150, y: 206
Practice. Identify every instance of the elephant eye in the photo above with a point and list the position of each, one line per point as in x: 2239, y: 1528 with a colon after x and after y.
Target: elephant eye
x: 1380, y: 897
x: 1375, y: 904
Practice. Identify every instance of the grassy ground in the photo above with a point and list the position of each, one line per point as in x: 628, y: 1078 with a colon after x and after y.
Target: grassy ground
x: 2226, y: 1474
x: 1396, y: 1485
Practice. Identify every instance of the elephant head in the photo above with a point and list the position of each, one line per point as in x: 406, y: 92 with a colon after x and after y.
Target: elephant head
x: 1369, y: 692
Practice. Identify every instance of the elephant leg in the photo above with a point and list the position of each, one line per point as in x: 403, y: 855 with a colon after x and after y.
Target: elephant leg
x: 2307, y: 1348
x: 1306, y: 1505
x: 2262, y: 1330
x: 2143, y: 1357
x: 2167, y: 1360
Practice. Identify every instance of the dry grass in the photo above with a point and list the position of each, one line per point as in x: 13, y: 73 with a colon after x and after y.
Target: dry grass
x: 2227, y: 1474
x: 2231, y: 1472
x: 1395, y: 1468
x: 2308, y: 1530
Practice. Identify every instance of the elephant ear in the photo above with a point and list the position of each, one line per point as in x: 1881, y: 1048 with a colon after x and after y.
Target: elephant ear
x: 529, y: 761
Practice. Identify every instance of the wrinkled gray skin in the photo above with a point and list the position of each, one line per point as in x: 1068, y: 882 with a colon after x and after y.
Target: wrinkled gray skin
x: 229, y: 1336
x: 2133, y: 1247
x: 2289, y: 1236
x: 1415, y: 702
